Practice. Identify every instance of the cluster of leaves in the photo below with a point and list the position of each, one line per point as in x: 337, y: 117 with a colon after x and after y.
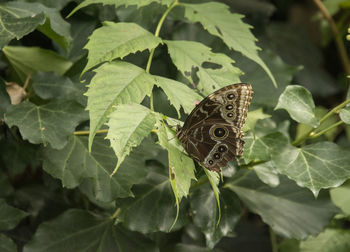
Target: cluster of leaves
x: 96, y: 166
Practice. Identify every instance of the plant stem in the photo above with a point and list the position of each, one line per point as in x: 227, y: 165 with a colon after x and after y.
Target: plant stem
x: 156, y: 34
x: 338, y: 40
x: 87, y: 132
x: 273, y: 240
x: 312, y: 133
x: 115, y: 214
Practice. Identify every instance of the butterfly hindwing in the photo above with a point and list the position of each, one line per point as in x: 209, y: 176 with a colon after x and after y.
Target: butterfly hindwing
x: 212, y: 132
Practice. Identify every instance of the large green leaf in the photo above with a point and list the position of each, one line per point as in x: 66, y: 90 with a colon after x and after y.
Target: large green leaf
x: 117, y: 40
x: 51, y: 123
x: 328, y: 241
x: 288, y: 209
x: 205, y: 213
x: 74, y: 165
x: 50, y: 85
x: 207, y: 71
x: 298, y: 102
x: 10, y: 216
x: 345, y: 115
x: 219, y: 21
x: 115, y: 83
x: 16, y: 22
x: 79, y: 230
x: 153, y: 208
x: 341, y: 197
x: 6, y: 244
x: 315, y: 166
x: 123, y: 133
x: 117, y: 3
x: 26, y: 60
x: 178, y: 94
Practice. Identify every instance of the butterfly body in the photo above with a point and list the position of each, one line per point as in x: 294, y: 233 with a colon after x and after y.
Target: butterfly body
x: 212, y: 133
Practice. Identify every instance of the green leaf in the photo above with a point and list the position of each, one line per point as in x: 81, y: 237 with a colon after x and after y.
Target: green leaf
x: 138, y: 3
x: 207, y: 71
x: 181, y: 167
x: 328, y: 241
x: 51, y: 123
x: 79, y: 230
x: 264, y: 93
x: 123, y: 133
x: 6, y: 188
x: 214, y: 180
x: 5, y: 101
x: 182, y: 247
x: 117, y: 40
x: 6, y: 244
x: 219, y: 21
x: 115, y: 83
x: 178, y: 94
x: 152, y: 209
x: 267, y: 173
x: 50, y: 85
x: 10, y: 216
x: 345, y: 115
x: 261, y: 148
x: 341, y: 197
x: 74, y: 165
x: 298, y: 102
x: 15, y: 22
x: 253, y: 117
x: 315, y: 166
x: 26, y: 60
x: 55, y: 26
x: 288, y: 209
x: 205, y: 213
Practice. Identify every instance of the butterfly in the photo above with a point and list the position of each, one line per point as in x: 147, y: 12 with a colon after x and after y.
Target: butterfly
x: 212, y: 133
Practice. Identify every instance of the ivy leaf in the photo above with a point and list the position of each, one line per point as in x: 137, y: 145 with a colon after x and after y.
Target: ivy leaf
x: 115, y: 83
x: 253, y: 117
x: 267, y: 173
x: 74, y: 165
x: 79, y: 230
x: 345, y: 115
x: 298, y: 102
x: 341, y: 197
x: 138, y: 3
x: 206, y: 70
x: 117, y: 40
x: 50, y: 123
x: 178, y: 94
x: 26, y: 60
x: 327, y: 241
x: 6, y: 244
x: 205, y: 213
x: 219, y: 21
x: 289, y: 209
x: 152, y: 209
x: 16, y: 22
x: 50, y: 85
x: 123, y: 133
x: 315, y: 166
x: 10, y: 216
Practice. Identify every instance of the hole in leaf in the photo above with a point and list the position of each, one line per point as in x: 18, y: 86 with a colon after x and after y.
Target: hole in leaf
x: 218, y: 30
x: 211, y: 65
x: 194, y: 76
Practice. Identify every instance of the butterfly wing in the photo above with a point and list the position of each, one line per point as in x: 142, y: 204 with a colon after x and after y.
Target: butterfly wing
x: 212, y: 132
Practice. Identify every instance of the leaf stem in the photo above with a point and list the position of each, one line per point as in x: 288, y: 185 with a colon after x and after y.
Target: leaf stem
x: 273, y: 240
x: 115, y: 214
x: 156, y: 34
x: 87, y: 132
x: 312, y: 133
x: 338, y: 40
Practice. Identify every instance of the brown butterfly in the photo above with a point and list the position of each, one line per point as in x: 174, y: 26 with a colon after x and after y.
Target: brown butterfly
x: 212, y: 133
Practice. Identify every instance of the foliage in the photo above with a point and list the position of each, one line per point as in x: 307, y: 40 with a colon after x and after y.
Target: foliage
x: 90, y: 95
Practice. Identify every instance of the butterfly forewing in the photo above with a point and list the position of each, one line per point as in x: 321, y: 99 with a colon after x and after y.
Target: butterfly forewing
x: 212, y: 133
